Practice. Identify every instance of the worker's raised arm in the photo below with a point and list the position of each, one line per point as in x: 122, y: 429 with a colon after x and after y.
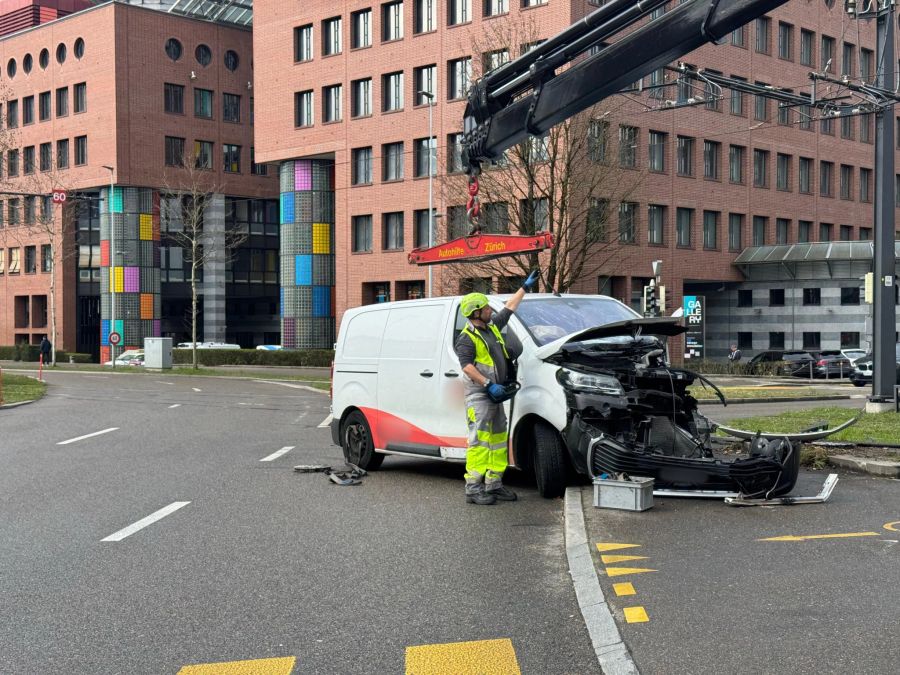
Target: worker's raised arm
x: 514, y: 301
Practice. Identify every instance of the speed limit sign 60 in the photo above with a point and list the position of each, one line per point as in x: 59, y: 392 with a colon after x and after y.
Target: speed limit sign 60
x: 59, y: 196
x: 114, y: 339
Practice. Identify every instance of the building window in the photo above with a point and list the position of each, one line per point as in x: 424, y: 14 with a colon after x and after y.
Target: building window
x: 44, y: 106
x: 627, y: 222
x: 392, y: 231
x: 865, y: 185
x: 850, y: 340
x: 13, y: 266
x: 392, y: 161
x: 424, y: 149
x: 80, y: 97
x: 28, y: 110
x: 711, y: 230
x: 847, y: 127
x: 684, y: 150
x: 812, y: 296
x: 683, y: 224
x: 231, y: 156
x: 29, y: 210
x: 776, y: 340
x: 173, y: 98
x: 425, y: 16
x: 598, y: 140
x: 28, y: 160
x: 826, y: 57
x: 846, y: 181
x: 865, y: 128
x: 785, y: 41
x: 628, y: 139
x: 303, y: 108
x: 783, y: 172
x: 735, y: 229
x: 782, y: 230
x: 30, y: 259
x: 331, y: 36
x: 805, y: 118
x: 331, y: 103
x: 62, y: 153
x: 745, y: 298
x: 459, y: 77
x: 826, y: 231
x: 761, y: 106
x: 62, y: 101
x: 361, y: 98
x: 257, y: 169
x: 494, y: 59
x: 46, y: 157
x: 737, y: 99
x: 846, y: 233
x: 805, y: 175
x: 807, y: 42
x: 866, y: 60
x: 12, y: 114
x: 656, y: 216
x: 231, y: 108
x: 657, y: 159
x: 784, y: 114
x: 13, y: 217
x: 392, y: 21
x: 174, y: 151
x: 712, y: 93
x: 392, y: 90
x: 597, y: 219
x: 496, y: 217
x: 203, y: 54
x: 776, y: 297
x: 761, y: 168
x: 361, y: 29
x: 847, y: 59
x: 12, y: 163
x: 454, y: 153
x: 763, y: 25
x: 739, y: 37
x: 203, y: 154
x: 362, y: 166
x: 495, y: 7
x: 421, y: 226
x: 460, y: 12
x: 812, y: 340
x: 736, y: 163
x: 804, y: 231
x: 826, y: 179
x: 760, y: 225
x: 46, y: 258
x: 712, y: 152
x: 203, y: 102
x: 865, y: 233
x: 425, y: 81
x: 303, y: 48
x: 362, y: 234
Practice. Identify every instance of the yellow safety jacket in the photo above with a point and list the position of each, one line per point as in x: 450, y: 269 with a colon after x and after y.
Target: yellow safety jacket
x: 484, y: 362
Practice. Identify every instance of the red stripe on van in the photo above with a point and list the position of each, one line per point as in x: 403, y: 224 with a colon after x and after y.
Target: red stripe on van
x: 387, y: 428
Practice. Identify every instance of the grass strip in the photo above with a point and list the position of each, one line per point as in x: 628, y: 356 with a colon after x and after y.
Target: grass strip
x: 761, y: 393
x: 18, y: 388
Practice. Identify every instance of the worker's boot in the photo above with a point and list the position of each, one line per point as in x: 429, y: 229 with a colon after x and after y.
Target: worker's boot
x: 475, y: 494
x: 495, y: 488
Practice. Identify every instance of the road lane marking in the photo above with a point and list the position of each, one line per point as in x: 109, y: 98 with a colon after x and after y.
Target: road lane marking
x: 497, y: 657
x: 175, y: 405
x: 624, y: 588
x: 892, y: 526
x: 81, y: 438
x: 277, y: 666
x: 144, y: 522
x: 195, y: 389
x: 621, y: 571
x: 842, y: 535
x: 607, y: 559
x: 326, y: 422
x: 603, y: 548
x: 277, y: 453
x: 636, y: 614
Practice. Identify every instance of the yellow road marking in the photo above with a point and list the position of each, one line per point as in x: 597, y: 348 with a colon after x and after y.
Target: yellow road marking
x: 636, y: 614
x: 620, y: 571
x: 624, y: 588
x: 603, y: 548
x: 892, y: 526
x: 279, y: 666
x: 607, y: 559
x: 804, y: 537
x: 481, y: 657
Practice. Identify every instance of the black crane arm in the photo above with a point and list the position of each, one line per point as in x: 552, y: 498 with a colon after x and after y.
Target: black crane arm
x: 501, y: 112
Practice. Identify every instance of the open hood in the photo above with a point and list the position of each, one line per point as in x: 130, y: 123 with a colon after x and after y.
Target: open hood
x: 666, y: 326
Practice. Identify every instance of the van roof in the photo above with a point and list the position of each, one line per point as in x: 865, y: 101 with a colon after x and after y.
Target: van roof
x: 501, y: 297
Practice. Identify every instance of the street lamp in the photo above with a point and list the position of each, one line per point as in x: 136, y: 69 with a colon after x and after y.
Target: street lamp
x: 112, y: 262
x: 428, y: 95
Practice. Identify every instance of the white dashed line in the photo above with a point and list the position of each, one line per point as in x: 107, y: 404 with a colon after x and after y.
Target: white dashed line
x: 326, y: 422
x: 144, y: 522
x: 277, y: 454
x: 195, y: 389
x: 81, y: 438
x: 175, y: 405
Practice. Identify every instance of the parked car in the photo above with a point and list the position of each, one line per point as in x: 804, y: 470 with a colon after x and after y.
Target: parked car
x: 207, y: 345
x: 853, y: 355
x: 862, y: 370
x: 829, y: 364
x: 596, y: 396
x: 130, y: 357
x: 780, y: 361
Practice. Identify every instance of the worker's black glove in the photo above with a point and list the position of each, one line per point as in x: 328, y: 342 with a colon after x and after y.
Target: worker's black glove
x: 531, y: 280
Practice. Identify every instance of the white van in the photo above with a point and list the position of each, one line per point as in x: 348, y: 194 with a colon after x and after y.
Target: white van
x: 397, y: 386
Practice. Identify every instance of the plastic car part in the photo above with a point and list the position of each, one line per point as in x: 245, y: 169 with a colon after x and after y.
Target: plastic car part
x: 821, y: 498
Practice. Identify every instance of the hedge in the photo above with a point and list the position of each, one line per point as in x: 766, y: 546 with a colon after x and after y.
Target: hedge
x: 255, y: 357
x: 27, y: 352
x: 726, y: 368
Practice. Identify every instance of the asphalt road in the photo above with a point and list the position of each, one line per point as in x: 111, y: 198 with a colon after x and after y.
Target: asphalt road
x: 262, y: 562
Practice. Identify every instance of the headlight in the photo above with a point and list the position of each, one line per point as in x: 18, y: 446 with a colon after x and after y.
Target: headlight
x: 591, y: 383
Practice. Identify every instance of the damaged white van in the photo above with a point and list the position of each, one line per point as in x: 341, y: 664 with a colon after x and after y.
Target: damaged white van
x: 596, y: 395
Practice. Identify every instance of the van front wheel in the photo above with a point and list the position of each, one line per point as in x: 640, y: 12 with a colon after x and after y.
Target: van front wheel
x: 356, y: 441
x: 549, y: 463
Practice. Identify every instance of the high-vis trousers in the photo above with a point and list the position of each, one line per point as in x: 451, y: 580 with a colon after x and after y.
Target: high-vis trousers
x: 486, y: 457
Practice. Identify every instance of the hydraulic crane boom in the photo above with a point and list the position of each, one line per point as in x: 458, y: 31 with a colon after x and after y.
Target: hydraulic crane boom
x: 501, y: 112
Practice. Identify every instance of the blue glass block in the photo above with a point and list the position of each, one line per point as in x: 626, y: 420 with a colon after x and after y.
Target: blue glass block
x: 303, y: 270
x: 281, y: 302
x: 321, y: 301
x: 287, y: 207
x: 104, y: 332
x: 118, y: 200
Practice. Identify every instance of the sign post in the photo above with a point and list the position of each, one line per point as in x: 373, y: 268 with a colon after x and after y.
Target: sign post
x: 695, y: 337
x: 114, y: 340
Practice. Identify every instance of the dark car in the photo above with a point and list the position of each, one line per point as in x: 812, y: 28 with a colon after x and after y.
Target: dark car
x: 780, y: 362
x: 862, y: 372
x: 829, y: 364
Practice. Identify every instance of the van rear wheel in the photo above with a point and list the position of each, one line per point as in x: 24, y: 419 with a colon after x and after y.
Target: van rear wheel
x: 549, y: 463
x: 357, y: 444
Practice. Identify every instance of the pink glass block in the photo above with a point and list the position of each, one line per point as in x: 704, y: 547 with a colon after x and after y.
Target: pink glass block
x: 132, y: 280
x: 157, y: 328
x: 303, y: 174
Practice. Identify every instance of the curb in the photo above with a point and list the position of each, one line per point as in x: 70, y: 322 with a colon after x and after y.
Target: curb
x: 774, y: 399
x: 873, y: 467
x: 16, y: 404
x: 612, y: 654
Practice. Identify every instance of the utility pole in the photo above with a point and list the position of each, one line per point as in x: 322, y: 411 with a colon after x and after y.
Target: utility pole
x: 432, y: 150
x: 112, y: 262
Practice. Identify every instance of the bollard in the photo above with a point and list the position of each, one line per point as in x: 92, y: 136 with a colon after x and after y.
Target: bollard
x: 1, y: 386
x: 41, y: 368
x: 71, y: 359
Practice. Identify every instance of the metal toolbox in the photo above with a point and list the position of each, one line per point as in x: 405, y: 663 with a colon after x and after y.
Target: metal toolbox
x: 628, y: 495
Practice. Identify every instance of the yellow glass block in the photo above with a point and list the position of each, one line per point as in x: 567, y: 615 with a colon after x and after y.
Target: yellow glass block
x: 321, y: 238
x: 117, y: 280
x: 146, y: 227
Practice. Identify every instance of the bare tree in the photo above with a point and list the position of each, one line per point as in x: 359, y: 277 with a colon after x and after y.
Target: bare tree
x: 566, y: 183
x: 188, y: 194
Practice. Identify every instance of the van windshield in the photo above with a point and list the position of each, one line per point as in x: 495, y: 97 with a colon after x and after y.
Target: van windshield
x: 548, y: 319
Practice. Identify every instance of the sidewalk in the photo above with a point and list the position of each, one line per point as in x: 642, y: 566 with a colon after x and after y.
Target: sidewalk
x: 296, y: 371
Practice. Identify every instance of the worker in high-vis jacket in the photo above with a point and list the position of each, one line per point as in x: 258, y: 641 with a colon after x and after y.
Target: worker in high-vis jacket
x: 486, y: 359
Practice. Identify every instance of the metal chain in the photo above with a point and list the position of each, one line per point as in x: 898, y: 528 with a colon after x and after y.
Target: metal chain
x: 473, y: 206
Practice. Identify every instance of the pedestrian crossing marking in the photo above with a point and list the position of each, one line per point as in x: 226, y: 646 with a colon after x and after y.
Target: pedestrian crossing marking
x: 636, y: 614
x: 621, y: 571
x: 277, y: 666
x: 624, y: 588
x: 480, y: 657
x: 604, y: 548
x: 607, y: 559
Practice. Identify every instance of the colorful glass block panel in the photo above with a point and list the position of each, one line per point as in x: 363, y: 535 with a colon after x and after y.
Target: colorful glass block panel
x: 157, y: 328
x: 321, y: 238
x: 117, y: 280
x: 118, y: 200
x: 104, y: 253
x: 146, y: 305
x: 146, y: 226
x: 105, y: 354
x: 287, y: 207
x: 303, y: 270
x: 303, y: 174
x: 321, y: 301
x: 281, y: 302
x: 104, y: 332
x: 132, y: 280
x: 155, y: 231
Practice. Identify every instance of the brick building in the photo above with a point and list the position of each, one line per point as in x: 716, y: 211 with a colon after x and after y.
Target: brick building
x: 730, y: 173
x: 121, y: 93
